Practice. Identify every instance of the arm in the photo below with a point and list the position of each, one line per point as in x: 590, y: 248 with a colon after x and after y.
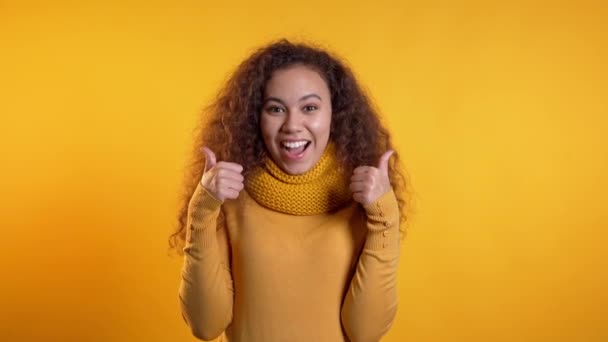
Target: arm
x: 370, y: 304
x: 206, y: 289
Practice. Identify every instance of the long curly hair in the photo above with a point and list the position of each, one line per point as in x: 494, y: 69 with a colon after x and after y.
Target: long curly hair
x: 230, y: 124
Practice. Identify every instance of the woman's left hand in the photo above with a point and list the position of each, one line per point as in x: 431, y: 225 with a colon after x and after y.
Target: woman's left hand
x: 368, y: 183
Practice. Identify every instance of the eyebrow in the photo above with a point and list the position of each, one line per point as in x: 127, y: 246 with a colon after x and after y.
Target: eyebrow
x: 301, y: 99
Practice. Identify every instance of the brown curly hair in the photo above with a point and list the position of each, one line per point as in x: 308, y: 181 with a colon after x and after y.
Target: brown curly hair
x: 231, y: 127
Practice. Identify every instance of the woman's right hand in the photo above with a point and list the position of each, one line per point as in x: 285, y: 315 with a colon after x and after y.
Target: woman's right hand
x: 224, y: 180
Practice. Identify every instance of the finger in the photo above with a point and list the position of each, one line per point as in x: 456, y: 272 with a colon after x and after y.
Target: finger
x: 209, y: 157
x: 383, y: 163
x: 229, y: 174
x: 362, y: 177
x: 225, y: 184
x: 230, y: 166
x: 358, y: 187
x: 359, y: 197
x: 362, y: 169
x: 231, y: 194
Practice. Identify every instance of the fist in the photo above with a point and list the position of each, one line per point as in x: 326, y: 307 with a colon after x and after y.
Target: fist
x: 223, y: 180
x: 368, y: 183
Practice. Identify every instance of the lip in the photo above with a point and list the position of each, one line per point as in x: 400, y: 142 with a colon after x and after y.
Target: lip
x: 290, y: 157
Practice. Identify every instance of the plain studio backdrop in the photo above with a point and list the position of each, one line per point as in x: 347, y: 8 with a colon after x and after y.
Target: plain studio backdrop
x: 499, y: 110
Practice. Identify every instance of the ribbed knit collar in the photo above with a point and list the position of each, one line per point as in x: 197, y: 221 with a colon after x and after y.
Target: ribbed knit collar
x: 321, y: 189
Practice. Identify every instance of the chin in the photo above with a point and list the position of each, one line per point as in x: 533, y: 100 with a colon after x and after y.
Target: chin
x: 296, y: 170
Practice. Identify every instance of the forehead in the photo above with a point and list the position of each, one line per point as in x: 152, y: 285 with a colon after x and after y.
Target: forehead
x: 296, y: 79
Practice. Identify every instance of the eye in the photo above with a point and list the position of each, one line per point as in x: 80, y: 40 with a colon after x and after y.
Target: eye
x: 274, y: 109
x: 310, y: 108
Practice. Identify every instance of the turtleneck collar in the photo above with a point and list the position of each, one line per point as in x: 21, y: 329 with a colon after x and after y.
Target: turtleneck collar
x: 321, y: 189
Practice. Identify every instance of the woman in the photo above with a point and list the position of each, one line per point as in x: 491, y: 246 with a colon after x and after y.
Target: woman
x: 291, y: 215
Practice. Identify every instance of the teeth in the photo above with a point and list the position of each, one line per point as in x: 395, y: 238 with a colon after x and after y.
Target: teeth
x: 294, y: 144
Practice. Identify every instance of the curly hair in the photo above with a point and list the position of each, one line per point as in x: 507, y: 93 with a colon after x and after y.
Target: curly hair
x: 230, y: 125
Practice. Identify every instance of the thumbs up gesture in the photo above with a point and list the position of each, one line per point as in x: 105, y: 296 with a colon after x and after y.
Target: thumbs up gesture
x: 223, y: 180
x: 368, y: 183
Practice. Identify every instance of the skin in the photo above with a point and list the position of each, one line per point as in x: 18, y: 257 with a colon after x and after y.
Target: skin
x: 369, y: 183
x: 297, y: 107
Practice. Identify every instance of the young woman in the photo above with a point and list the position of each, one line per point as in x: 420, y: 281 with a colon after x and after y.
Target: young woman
x: 290, y: 222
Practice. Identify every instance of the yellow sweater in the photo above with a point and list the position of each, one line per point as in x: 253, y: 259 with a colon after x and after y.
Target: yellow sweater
x: 262, y: 275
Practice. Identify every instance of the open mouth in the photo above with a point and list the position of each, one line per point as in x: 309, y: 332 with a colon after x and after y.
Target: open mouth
x: 295, y: 149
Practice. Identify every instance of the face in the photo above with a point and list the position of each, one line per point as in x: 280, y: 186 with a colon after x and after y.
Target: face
x: 296, y: 118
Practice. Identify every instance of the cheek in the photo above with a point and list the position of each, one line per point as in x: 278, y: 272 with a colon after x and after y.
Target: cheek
x: 267, y: 129
x: 321, y: 124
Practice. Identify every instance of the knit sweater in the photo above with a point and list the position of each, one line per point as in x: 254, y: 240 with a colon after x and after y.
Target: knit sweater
x: 262, y: 275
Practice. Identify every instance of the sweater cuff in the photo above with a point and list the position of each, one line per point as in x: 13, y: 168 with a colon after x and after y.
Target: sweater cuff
x: 202, y: 205
x: 203, y: 212
x: 383, y: 223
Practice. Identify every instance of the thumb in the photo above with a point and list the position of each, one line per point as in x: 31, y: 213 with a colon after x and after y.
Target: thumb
x: 210, y: 158
x: 383, y: 163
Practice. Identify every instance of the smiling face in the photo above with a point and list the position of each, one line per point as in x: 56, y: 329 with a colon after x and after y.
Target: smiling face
x: 296, y: 118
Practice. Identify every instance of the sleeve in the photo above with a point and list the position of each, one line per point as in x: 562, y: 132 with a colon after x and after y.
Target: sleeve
x: 206, y: 290
x: 370, y: 303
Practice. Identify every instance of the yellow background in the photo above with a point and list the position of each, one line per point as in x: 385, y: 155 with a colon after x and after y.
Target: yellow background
x: 499, y: 110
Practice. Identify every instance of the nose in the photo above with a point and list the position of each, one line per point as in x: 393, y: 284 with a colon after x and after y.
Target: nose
x: 293, y: 122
